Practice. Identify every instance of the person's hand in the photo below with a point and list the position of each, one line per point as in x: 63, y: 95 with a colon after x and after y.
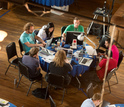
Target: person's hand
x: 43, y: 43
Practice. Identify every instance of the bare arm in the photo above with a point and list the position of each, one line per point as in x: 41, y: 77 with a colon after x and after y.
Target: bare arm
x: 32, y: 45
x: 39, y: 39
x: 63, y: 36
x: 98, y: 67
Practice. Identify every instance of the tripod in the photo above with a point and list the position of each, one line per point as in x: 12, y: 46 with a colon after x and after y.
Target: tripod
x: 104, y: 12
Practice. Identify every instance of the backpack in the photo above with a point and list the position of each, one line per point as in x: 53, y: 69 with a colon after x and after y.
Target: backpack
x: 40, y: 93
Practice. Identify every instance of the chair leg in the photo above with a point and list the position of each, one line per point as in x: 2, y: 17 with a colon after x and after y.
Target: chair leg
x: 19, y: 81
x: 109, y: 87
x: 116, y: 77
x: 46, y: 91
x: 29, y: 87
x: 63, y: 95
x: 7, y: 68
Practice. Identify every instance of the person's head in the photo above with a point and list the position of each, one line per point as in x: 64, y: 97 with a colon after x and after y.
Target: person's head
x: 106, y: 53
x: 76, y: 22
x: 107, y: 42
x: 29, y: 27
x: 50, y: 26
x: 96, y: 99
x: 33, y: 51
x: 60, y: 57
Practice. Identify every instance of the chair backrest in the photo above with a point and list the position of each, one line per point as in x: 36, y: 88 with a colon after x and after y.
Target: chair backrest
x: 21, y: 47
x: 120, y: 58
x: 110, y: 74
x: 36, y: 31
x: 52, y: 103
x: 105, y: 103
x: 89, y: 90
x: 63, y: 28
x: 56, y: 80
x: 11, y: 50
x: 23, y: 69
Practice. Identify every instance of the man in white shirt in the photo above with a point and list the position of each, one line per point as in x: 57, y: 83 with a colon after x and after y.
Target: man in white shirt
x: 92, y: 102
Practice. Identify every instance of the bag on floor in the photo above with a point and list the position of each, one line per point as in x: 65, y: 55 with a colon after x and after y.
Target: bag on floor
x: 40, y: 93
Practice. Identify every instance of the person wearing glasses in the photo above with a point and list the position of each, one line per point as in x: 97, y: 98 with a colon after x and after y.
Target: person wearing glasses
x: 28, y: 38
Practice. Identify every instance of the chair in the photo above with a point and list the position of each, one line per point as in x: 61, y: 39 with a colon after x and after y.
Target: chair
x: 52, y: 103
x: 110, y: 74
x: 119, y: 62
x: 90, y: 93
x: 11, y: 54
x: 89, y: 90
x: 24, y: 72
x: 105, y: 103
x: 21, y: 48
x: 63, y: 29
x: 56, y: 81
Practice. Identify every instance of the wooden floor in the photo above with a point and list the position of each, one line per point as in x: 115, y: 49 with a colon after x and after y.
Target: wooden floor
x: 13, y: 23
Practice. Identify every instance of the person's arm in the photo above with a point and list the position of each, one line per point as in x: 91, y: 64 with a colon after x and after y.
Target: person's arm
x: 101, y: 64
x: 32, y: 45
x: 98, y: 67
x: 39, y: 39
x: 70, y: 66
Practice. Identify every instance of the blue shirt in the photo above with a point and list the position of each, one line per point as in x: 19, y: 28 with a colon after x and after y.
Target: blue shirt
x: 88, y: 103
x: 27, y: 38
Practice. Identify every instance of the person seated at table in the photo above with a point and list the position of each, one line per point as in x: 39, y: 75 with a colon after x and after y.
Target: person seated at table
x: 73, y: 27
x: 32, y: 62
x: 98, y: 74
x: 46, y: 32
x: 114, y: 49
x: 92, y: 102
x: 28, y: 38
x: 61, y: 66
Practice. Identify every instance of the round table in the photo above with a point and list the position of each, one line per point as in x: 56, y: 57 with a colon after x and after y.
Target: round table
x: 54, y: 2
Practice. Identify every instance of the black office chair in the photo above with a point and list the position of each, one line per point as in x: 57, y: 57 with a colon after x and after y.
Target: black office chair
x: 21, y: 48
x: 24, y: 72
x: 56, y: 81
x: 108, y: 77
x: 105, y: 103
x: 11, y: 53
x: 52, y: 103
x: 63, y: 29
x: 89, y: 90
x: 119, y: 62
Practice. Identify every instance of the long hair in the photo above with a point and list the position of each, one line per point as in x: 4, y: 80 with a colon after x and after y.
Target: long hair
x: 59, y: 59
x: 49, y: 34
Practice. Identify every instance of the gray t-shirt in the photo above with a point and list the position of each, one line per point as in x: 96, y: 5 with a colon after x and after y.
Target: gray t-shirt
x: 88, y: 103
x: 32, y: 63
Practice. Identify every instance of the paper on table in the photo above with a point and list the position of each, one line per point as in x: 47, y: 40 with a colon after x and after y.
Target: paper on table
x: 48, y: 58
x: 111, y: 105
x: 90, y: 50
x: 88, y: 62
